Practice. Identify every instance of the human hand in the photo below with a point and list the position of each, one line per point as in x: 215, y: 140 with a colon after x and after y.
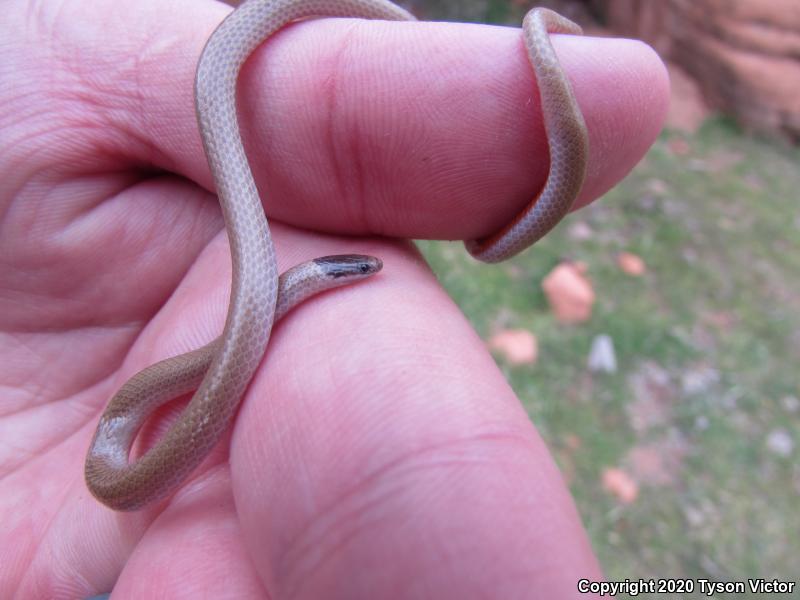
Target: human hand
x: 379, y: 451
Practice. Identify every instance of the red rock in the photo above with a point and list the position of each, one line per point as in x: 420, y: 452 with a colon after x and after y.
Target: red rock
x: 569, y: 293
x: 742, y: 53
x: 621, y: 485
x: 518, y: 346
x: 631, y: 264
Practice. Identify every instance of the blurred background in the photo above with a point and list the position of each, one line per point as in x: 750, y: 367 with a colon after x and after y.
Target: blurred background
x: 654, y: 337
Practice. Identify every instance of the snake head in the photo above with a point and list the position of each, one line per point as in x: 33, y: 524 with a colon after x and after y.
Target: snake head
x: 351, y: 266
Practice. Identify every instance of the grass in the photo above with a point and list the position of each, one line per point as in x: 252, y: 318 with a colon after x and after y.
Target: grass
x: 708, y: 347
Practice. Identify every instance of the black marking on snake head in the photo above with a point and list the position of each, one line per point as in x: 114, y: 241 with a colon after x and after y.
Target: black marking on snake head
x: 349, y: 265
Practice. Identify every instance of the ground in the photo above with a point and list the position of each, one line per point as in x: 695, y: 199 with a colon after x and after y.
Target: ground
x: 683, y: 463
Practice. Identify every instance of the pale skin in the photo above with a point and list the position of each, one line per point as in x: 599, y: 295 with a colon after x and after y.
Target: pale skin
x: 388, y: 454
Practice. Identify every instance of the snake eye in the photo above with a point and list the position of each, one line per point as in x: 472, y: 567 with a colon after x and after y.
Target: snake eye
x: 364, y: 267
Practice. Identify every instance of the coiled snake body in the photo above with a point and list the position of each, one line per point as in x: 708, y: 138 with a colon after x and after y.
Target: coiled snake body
x: 221, y: 371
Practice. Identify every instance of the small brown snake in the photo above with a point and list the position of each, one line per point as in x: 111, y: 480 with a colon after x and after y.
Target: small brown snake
x: 221, y: 371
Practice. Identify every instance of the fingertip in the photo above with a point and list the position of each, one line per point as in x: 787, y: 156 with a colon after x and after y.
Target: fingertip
x: 622, y: 87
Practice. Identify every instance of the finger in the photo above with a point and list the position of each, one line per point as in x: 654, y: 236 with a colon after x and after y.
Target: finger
x: 403, y: 129
x: 379, y: 448
x: 432, y: 130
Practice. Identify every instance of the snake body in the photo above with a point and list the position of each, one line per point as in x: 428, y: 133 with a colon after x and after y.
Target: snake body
x: 221, y: 371
x: 128, y: 486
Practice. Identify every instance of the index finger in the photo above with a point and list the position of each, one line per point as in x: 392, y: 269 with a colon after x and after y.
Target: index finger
x: 423, y: 130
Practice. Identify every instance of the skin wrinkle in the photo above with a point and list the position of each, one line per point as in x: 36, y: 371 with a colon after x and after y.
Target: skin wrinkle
x: 357, y: 215
x: 25, y: 353
x: 137, y: 238
x: 338, y: 522
x: 338, y: 532
x: 319, y: 524
x: 354, y: 139
x: 331, y: 94
x: 115, y: 98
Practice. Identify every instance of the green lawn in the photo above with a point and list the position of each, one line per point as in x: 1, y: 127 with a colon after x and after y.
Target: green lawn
x: 708, y: 346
